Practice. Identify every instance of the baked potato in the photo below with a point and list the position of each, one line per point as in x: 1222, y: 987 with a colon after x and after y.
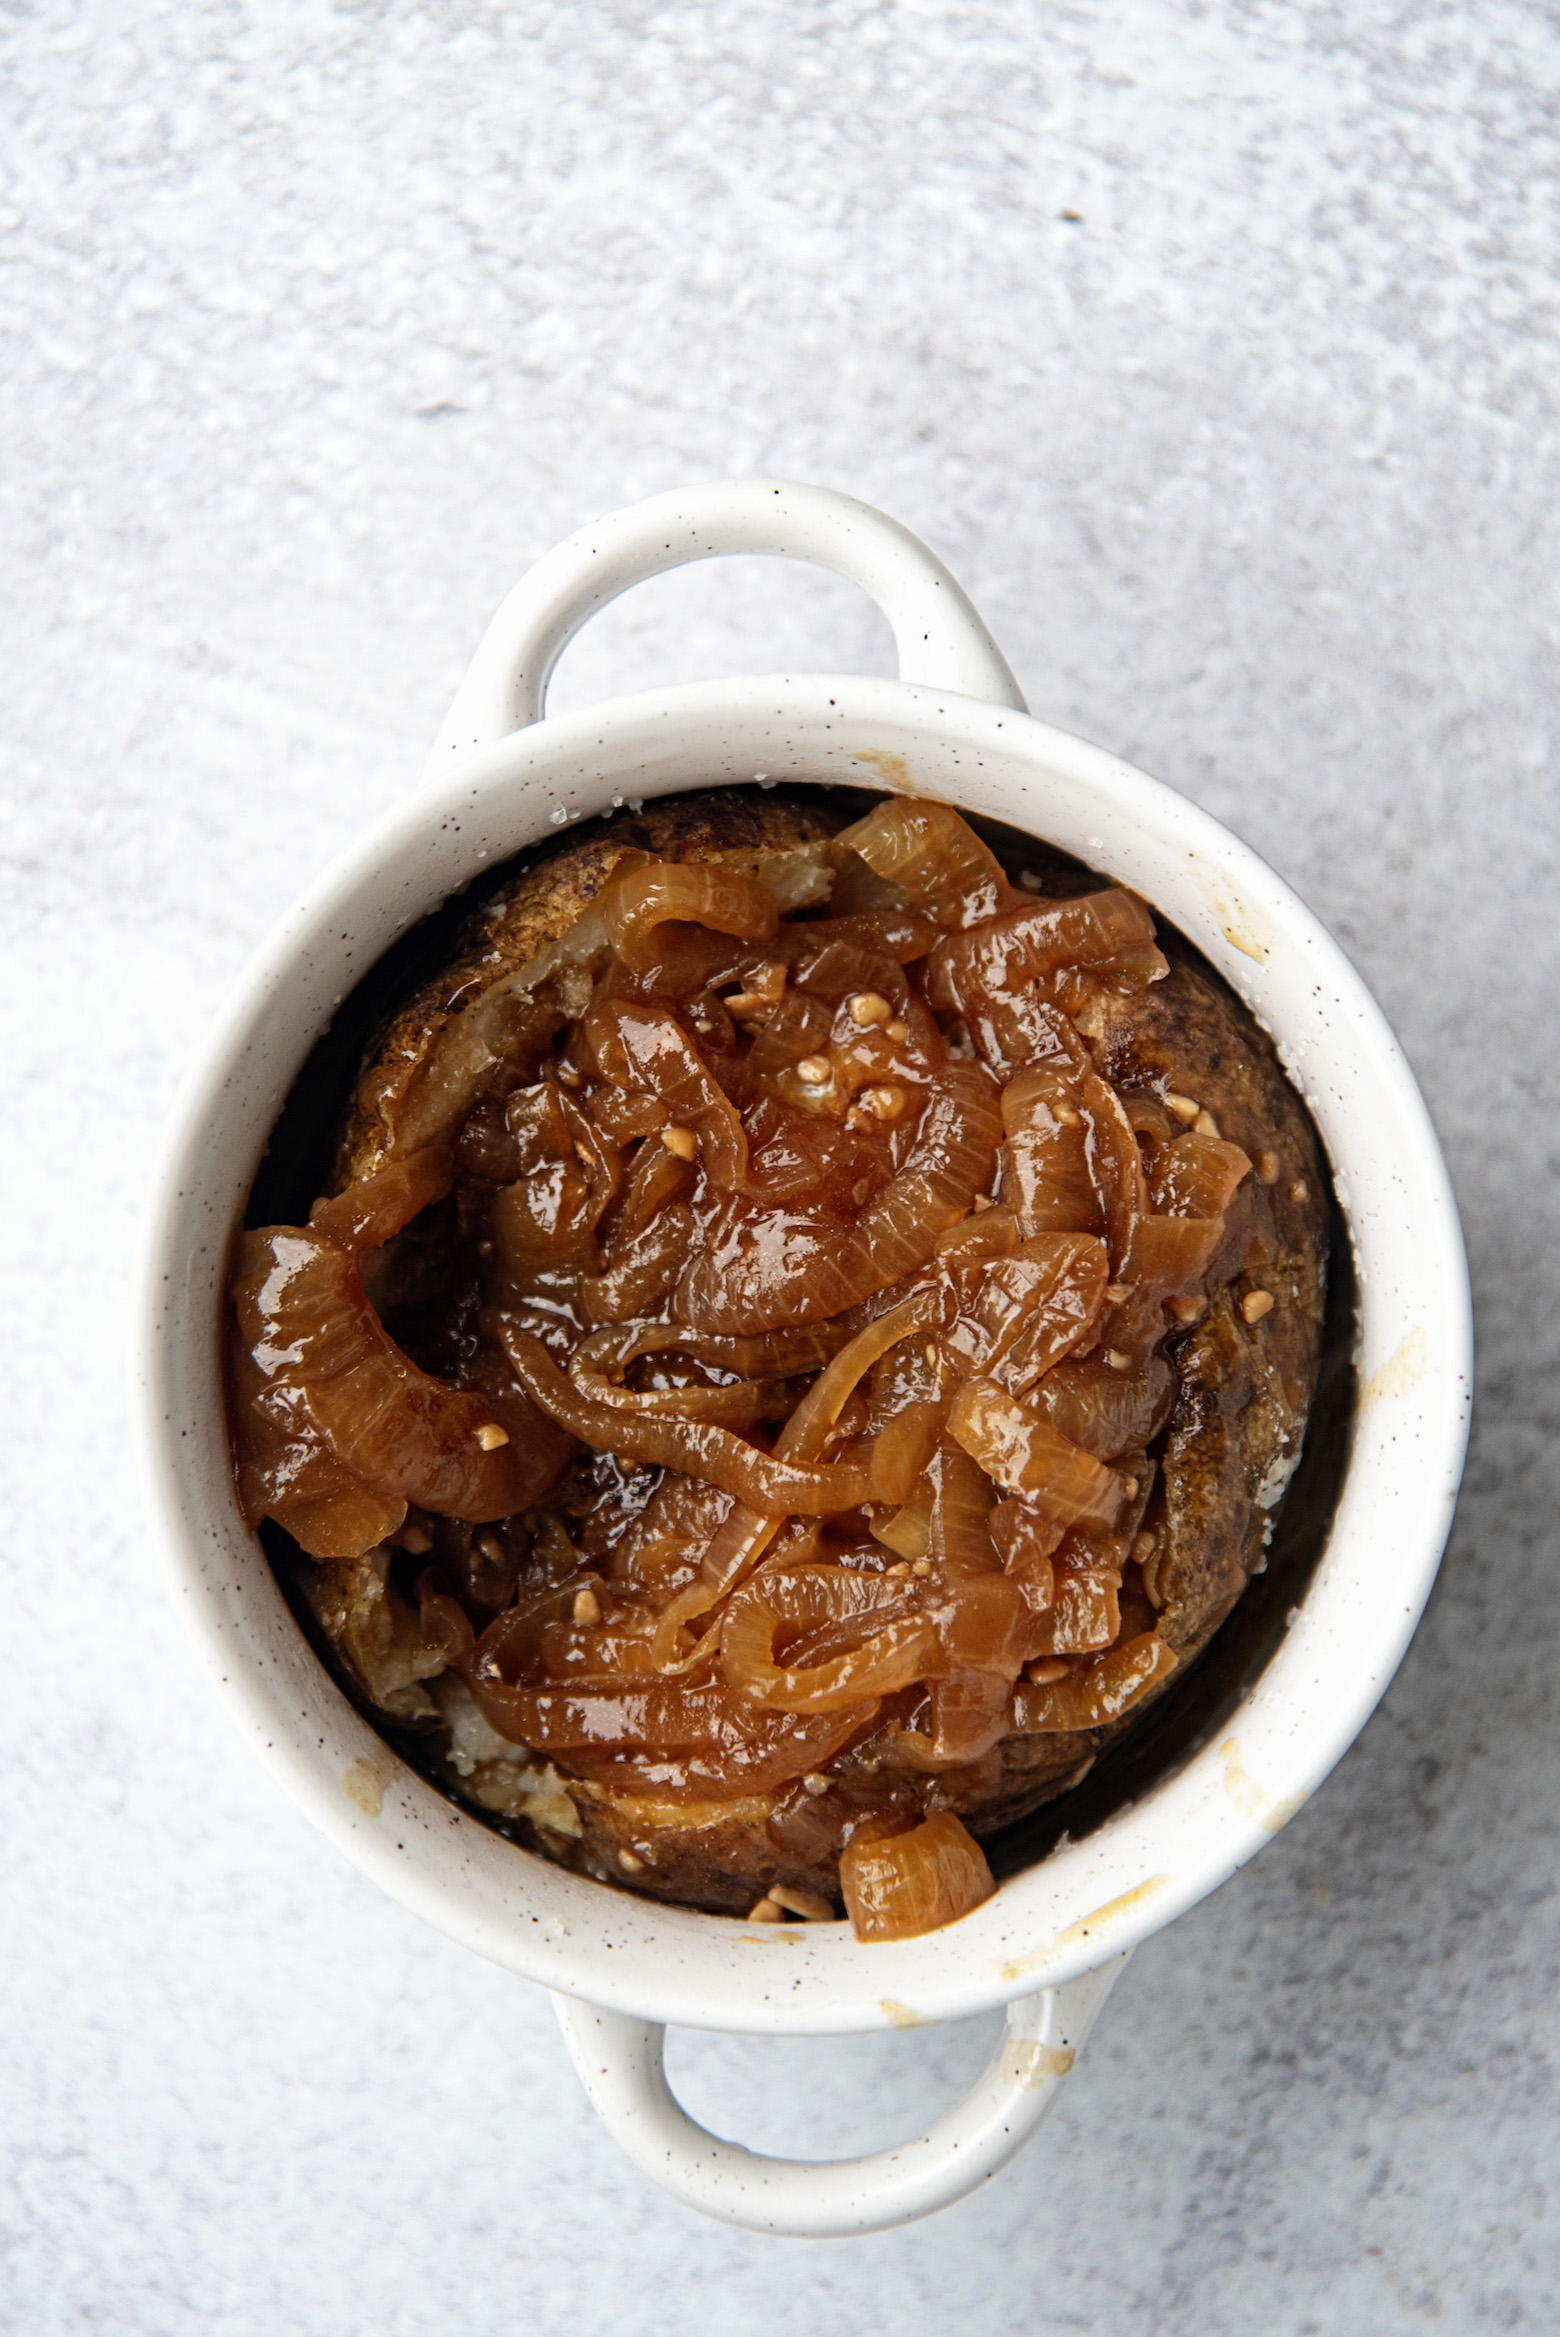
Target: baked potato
x: 808, y: 1335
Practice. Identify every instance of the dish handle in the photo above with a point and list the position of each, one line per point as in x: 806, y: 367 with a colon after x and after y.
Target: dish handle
x: 621, y: 2063
x: 938, y: 633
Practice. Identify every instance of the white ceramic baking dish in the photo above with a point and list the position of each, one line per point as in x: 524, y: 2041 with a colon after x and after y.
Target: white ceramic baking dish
x: 1050, y: 1942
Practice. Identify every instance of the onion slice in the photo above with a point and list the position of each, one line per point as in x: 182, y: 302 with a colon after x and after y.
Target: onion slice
x: 1007, y: 953
x: 646, y: 1049
x: 332, y: 1397
x: 778, y: 1270
x: 892, y: 1656
x: 916, y: 1882
x: 694, y: 893
x: 741, y: 1541
x: 1020, y: 1450
x: 935, y: 857
x: 1096, y: 1692
x: 774, y: 1488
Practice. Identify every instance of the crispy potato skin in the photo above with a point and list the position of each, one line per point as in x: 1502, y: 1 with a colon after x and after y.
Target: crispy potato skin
x: 724, y: 1867
x: 1243, y: 1394
x: 1245, y: 1390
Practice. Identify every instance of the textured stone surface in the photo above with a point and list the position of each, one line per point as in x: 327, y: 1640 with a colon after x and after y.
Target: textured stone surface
x: 319, y: 323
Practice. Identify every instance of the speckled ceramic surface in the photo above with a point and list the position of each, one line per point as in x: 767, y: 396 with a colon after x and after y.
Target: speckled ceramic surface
x: 1087, y: 1900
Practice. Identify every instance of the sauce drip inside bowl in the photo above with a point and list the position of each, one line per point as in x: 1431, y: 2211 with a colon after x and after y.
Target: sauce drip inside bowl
x: 792, y: 1364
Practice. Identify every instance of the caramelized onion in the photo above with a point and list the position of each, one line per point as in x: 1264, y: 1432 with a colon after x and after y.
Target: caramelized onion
x: 744, y: 1402
x: 337, y: 1410
x: 901, y: 1449
x: 1045, y: 1170
x: 504, y: 1031
x: 915, y: 1882
x: 373, y: 1211
x: 808, y: 1428
x: 1168, y: 1255
x: 512, y: 1640
x: 993, y: 1234
x: 755, y: 1275
x: 647, y: 1049
x: 772, y: 1487
x: 569, y: 1172
x: 695, y: 893
x: 543, y: 1220
x: 889, y: 1656
x: 1019, y: 1449
x: 1007, y: 952
x: 1196, y: 1176
x: 902, y: 934
x: 1024, y: 1538
x: 1108, y: 1412
x: 657, y: 1177
x: 1031, y: 1308
x: 777, y: 1354
x: 970, y: 1713
x: 329, y: 1362
x: 951, y: 1161
x: 908, y: 1532
x: 1055, y: 1160
x: 683, y: 1741
x: 584, y: 945
x: 669, y: 1716
x: 1096, y: 1692
x: 741, y: 1540
x: 834, y: 969
x: 1085, y: 1608
x: 1148, y: 1117
x: 799, y: 1026
x: 1008, y: 1030
x: 678, y: 1743
x: 984, y: 1624
x: 640, y: 1277
x: 755, y: 1752
x: 505, y: 1025
x: 933, y: 856
x: 958, y: 1541
x: 742, y: 1405
x: 780, y: 1356
x: 335, y: 1525
x: 1115, y: 1165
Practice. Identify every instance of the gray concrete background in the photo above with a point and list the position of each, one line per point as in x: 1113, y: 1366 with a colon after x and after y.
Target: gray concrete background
x: 319, y: 324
